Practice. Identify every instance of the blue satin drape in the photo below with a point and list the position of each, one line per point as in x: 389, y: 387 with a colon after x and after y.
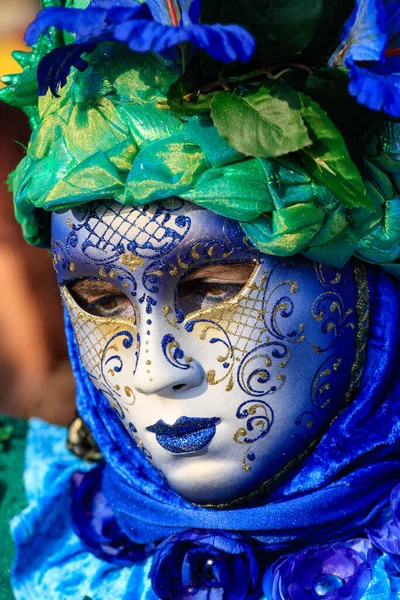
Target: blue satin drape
x: 332, y: 495
x: 50, y: 562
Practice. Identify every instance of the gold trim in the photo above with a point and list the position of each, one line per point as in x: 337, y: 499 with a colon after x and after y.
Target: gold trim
x: 363, y: 318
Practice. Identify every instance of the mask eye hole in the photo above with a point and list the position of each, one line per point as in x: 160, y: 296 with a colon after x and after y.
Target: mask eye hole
x: 100, y: 298
x: 211, y: 285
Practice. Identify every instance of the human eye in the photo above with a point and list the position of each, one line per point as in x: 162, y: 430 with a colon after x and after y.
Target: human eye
x: 211, y: 285
x: 100, y: 298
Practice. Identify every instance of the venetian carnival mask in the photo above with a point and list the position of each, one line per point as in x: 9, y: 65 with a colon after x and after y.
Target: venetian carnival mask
x: 224, y: 364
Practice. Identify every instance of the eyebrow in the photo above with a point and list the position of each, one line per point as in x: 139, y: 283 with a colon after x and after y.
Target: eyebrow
x: 83, y: 287
x: 238, y: 272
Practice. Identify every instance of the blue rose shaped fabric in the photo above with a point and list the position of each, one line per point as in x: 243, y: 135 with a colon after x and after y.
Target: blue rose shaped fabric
x: 94, y: 523
x: 387, y: 537
x: 339, y: 572
x: 206, y: 565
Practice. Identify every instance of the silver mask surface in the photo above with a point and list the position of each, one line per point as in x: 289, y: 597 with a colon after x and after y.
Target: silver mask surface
x: 222, y: 385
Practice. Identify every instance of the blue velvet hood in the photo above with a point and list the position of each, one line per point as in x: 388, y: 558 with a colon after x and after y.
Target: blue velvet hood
x: 335, y: 492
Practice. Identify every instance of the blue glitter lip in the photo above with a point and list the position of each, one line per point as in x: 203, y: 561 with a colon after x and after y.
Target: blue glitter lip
x: 187, y: 434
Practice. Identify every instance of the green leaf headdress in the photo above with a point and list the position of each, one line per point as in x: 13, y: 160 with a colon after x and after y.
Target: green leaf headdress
x: 279, y: 146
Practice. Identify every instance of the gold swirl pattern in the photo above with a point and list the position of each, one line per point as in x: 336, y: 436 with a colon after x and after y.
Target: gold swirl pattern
x: 96, y: 338
x: 283, y: 307
x: 336, y: 322
x: 321, y: 385
x: 326, y: 279
x: 363, y: 318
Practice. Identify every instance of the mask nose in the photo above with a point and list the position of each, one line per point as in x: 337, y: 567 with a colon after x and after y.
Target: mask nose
x: 164, y: 368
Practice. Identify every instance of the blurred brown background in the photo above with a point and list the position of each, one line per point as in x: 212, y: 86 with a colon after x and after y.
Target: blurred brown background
x: 35, y: 376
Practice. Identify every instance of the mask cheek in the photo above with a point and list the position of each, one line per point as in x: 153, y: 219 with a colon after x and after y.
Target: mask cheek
x: 109, y: 350
x: 213, y: 350
x: 228, y: 333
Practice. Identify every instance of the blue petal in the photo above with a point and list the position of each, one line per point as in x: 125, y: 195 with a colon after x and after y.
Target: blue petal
x: 225, y: 43
x: 393, y: 24
x: 364, y: 37
x: 190, y: 12
x: 95, y: 524
x: 88, y: 24
x: 372, y: 31
x: 135, y: 27
x: 116, y: 3
x: 55, y: 67
x: 76, y: 20
x: 377, y: 91
x: 194, y: 11
x: 160, y: 12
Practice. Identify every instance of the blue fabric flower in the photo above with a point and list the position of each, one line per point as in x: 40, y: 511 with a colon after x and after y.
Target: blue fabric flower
x: 343, y: 571
x: 206, y: 565
x: 395, y: 504
x: 133, y: 24
x: 94, y: 523
x: 387, y: 537
x: 370, y: 48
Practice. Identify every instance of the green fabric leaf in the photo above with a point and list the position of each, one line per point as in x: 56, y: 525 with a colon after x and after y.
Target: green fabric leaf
x: 92, y: 179
x: 238, y: 190
x: 265, y: 124
x: 217, y: 151
x: 328, y: 160
x: 164, y: 169
x: 286, y: 231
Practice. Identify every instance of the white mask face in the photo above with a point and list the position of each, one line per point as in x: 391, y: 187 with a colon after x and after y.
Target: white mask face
x: 223, y: 363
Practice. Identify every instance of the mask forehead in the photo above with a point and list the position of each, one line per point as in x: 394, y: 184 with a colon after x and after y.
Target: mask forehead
x: 143, y: 240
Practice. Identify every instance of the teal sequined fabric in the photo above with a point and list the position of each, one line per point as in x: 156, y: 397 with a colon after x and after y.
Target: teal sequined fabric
x: 12, y: 494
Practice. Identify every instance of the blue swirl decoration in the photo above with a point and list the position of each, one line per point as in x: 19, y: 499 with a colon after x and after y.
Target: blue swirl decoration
x: 278, y: 305
x: 118, y: 365
x: 173, y: 352
x: 258, y: 381
x: 248, y: 410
